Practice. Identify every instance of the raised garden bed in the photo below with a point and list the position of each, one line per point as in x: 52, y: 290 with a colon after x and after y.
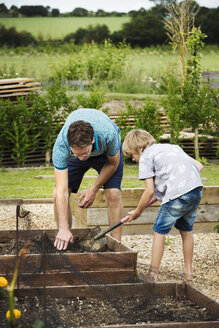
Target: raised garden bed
x: 47, y: 266
x: 123, y: 305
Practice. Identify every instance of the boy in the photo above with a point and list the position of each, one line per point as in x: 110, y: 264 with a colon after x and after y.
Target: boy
x: 174, y: 178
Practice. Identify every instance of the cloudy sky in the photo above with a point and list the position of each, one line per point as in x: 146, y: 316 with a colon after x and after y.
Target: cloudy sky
x: 94, y: 5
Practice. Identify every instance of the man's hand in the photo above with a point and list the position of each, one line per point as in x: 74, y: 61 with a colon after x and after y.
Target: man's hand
x: 63, y: 237
x: 87, y: 198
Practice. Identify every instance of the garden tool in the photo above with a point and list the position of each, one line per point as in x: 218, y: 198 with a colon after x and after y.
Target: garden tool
x: 88, y: 243
x: 118, y: 223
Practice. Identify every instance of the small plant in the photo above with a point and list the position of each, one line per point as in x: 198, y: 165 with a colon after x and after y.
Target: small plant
x: 216, y: 228
x: 168, y: 240
x: 203, y: 160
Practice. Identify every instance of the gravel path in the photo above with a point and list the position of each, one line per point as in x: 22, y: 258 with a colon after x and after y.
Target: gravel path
x: 206, y: 248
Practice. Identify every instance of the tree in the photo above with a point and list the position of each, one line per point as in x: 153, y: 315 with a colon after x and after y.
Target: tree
x: 3, y: 9
x: 145, y: 29
x: 55, y: 13
x: 178, y: 25
x: 14, y: 11
x: 31, y: 11
x: 80, y: 12
x: 199, y: 107
x: 96, y: 34
x: 13, y: 38
x: 101, y: 13
x: 208, y: 20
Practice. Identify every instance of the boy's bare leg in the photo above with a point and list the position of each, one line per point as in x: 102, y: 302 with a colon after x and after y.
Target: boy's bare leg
x: 69, y: 209
x: 187, y: 240
x: 157, y: 253
x: 115, y: 210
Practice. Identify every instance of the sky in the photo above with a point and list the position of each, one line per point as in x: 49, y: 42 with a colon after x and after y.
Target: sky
x: 94, y: 5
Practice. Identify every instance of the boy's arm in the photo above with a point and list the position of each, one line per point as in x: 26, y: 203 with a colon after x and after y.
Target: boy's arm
x: 145, y: 198
x: 198, y: 164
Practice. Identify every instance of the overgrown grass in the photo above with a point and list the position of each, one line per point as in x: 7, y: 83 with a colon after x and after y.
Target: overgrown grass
x: 148, y: 66
x: 22, y: 183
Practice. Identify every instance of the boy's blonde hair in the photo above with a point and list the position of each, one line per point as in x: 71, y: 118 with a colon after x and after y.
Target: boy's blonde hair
x: 135, y: 140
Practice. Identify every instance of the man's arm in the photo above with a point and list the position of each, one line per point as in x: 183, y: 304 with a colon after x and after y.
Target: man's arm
x: 145, y: 198
x: 61, y: 206
x: 109, y: 168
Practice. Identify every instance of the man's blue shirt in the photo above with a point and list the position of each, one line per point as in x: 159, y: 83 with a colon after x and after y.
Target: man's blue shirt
x: 106, y: 135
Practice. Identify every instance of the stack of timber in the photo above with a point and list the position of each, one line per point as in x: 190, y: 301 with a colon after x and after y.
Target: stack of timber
x: 18, y: 87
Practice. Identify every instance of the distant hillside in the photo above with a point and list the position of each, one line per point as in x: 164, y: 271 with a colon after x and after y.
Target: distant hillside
x: 59, y: 27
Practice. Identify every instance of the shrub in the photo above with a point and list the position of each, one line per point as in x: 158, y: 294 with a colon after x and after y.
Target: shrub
x: 12, y: 38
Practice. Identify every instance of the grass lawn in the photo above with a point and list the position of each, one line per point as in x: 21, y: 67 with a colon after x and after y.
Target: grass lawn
x: 20, y: 183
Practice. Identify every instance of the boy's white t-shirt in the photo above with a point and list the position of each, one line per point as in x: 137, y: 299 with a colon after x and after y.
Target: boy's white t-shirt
x: 172, y: 169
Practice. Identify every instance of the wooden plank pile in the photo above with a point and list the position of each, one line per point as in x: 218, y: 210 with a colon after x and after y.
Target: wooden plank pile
x: 18, y: 87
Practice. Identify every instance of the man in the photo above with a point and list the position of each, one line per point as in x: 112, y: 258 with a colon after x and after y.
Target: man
x: 88, y: 139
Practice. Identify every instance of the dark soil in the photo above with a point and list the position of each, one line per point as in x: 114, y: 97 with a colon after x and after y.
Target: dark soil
x: 8, y: 247
x: 81, y: 312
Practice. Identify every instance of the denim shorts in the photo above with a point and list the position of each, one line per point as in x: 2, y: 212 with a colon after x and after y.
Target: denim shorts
x: 77, y: 169
x: 180, y: 213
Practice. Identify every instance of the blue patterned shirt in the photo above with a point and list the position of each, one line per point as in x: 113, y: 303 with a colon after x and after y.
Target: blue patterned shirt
x: 106, y: 135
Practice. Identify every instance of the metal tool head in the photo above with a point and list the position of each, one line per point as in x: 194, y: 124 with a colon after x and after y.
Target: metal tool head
x: 88, y: 243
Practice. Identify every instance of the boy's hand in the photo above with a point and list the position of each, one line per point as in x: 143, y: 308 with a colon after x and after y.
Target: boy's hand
x: 133, y: 215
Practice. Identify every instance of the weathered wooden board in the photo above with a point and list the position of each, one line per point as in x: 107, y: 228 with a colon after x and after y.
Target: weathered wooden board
x: 97, y: 214
x: 111, y: 276
x: 131, y: 196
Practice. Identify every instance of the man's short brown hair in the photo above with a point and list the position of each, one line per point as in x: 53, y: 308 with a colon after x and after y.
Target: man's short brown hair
x: 80, y: 134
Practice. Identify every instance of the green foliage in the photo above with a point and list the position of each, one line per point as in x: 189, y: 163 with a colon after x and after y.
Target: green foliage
x: 145, y: 29
x: 12, y: 38
x: 94, y: 99
x: 145, y: 117
x: 52, y: 112
x: 203, y: 160
x: 39, y: 324
x: 124, y: 120
x: 97, y: 34
x: 199, y: 107
x: 7, y: 72
x: 168, y: 240
x: 216, y: 228
x: 148, y: 118
x: 94, y: 63
x: 172, y: 105
x: 19, y: 130
x: 30, y: 120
